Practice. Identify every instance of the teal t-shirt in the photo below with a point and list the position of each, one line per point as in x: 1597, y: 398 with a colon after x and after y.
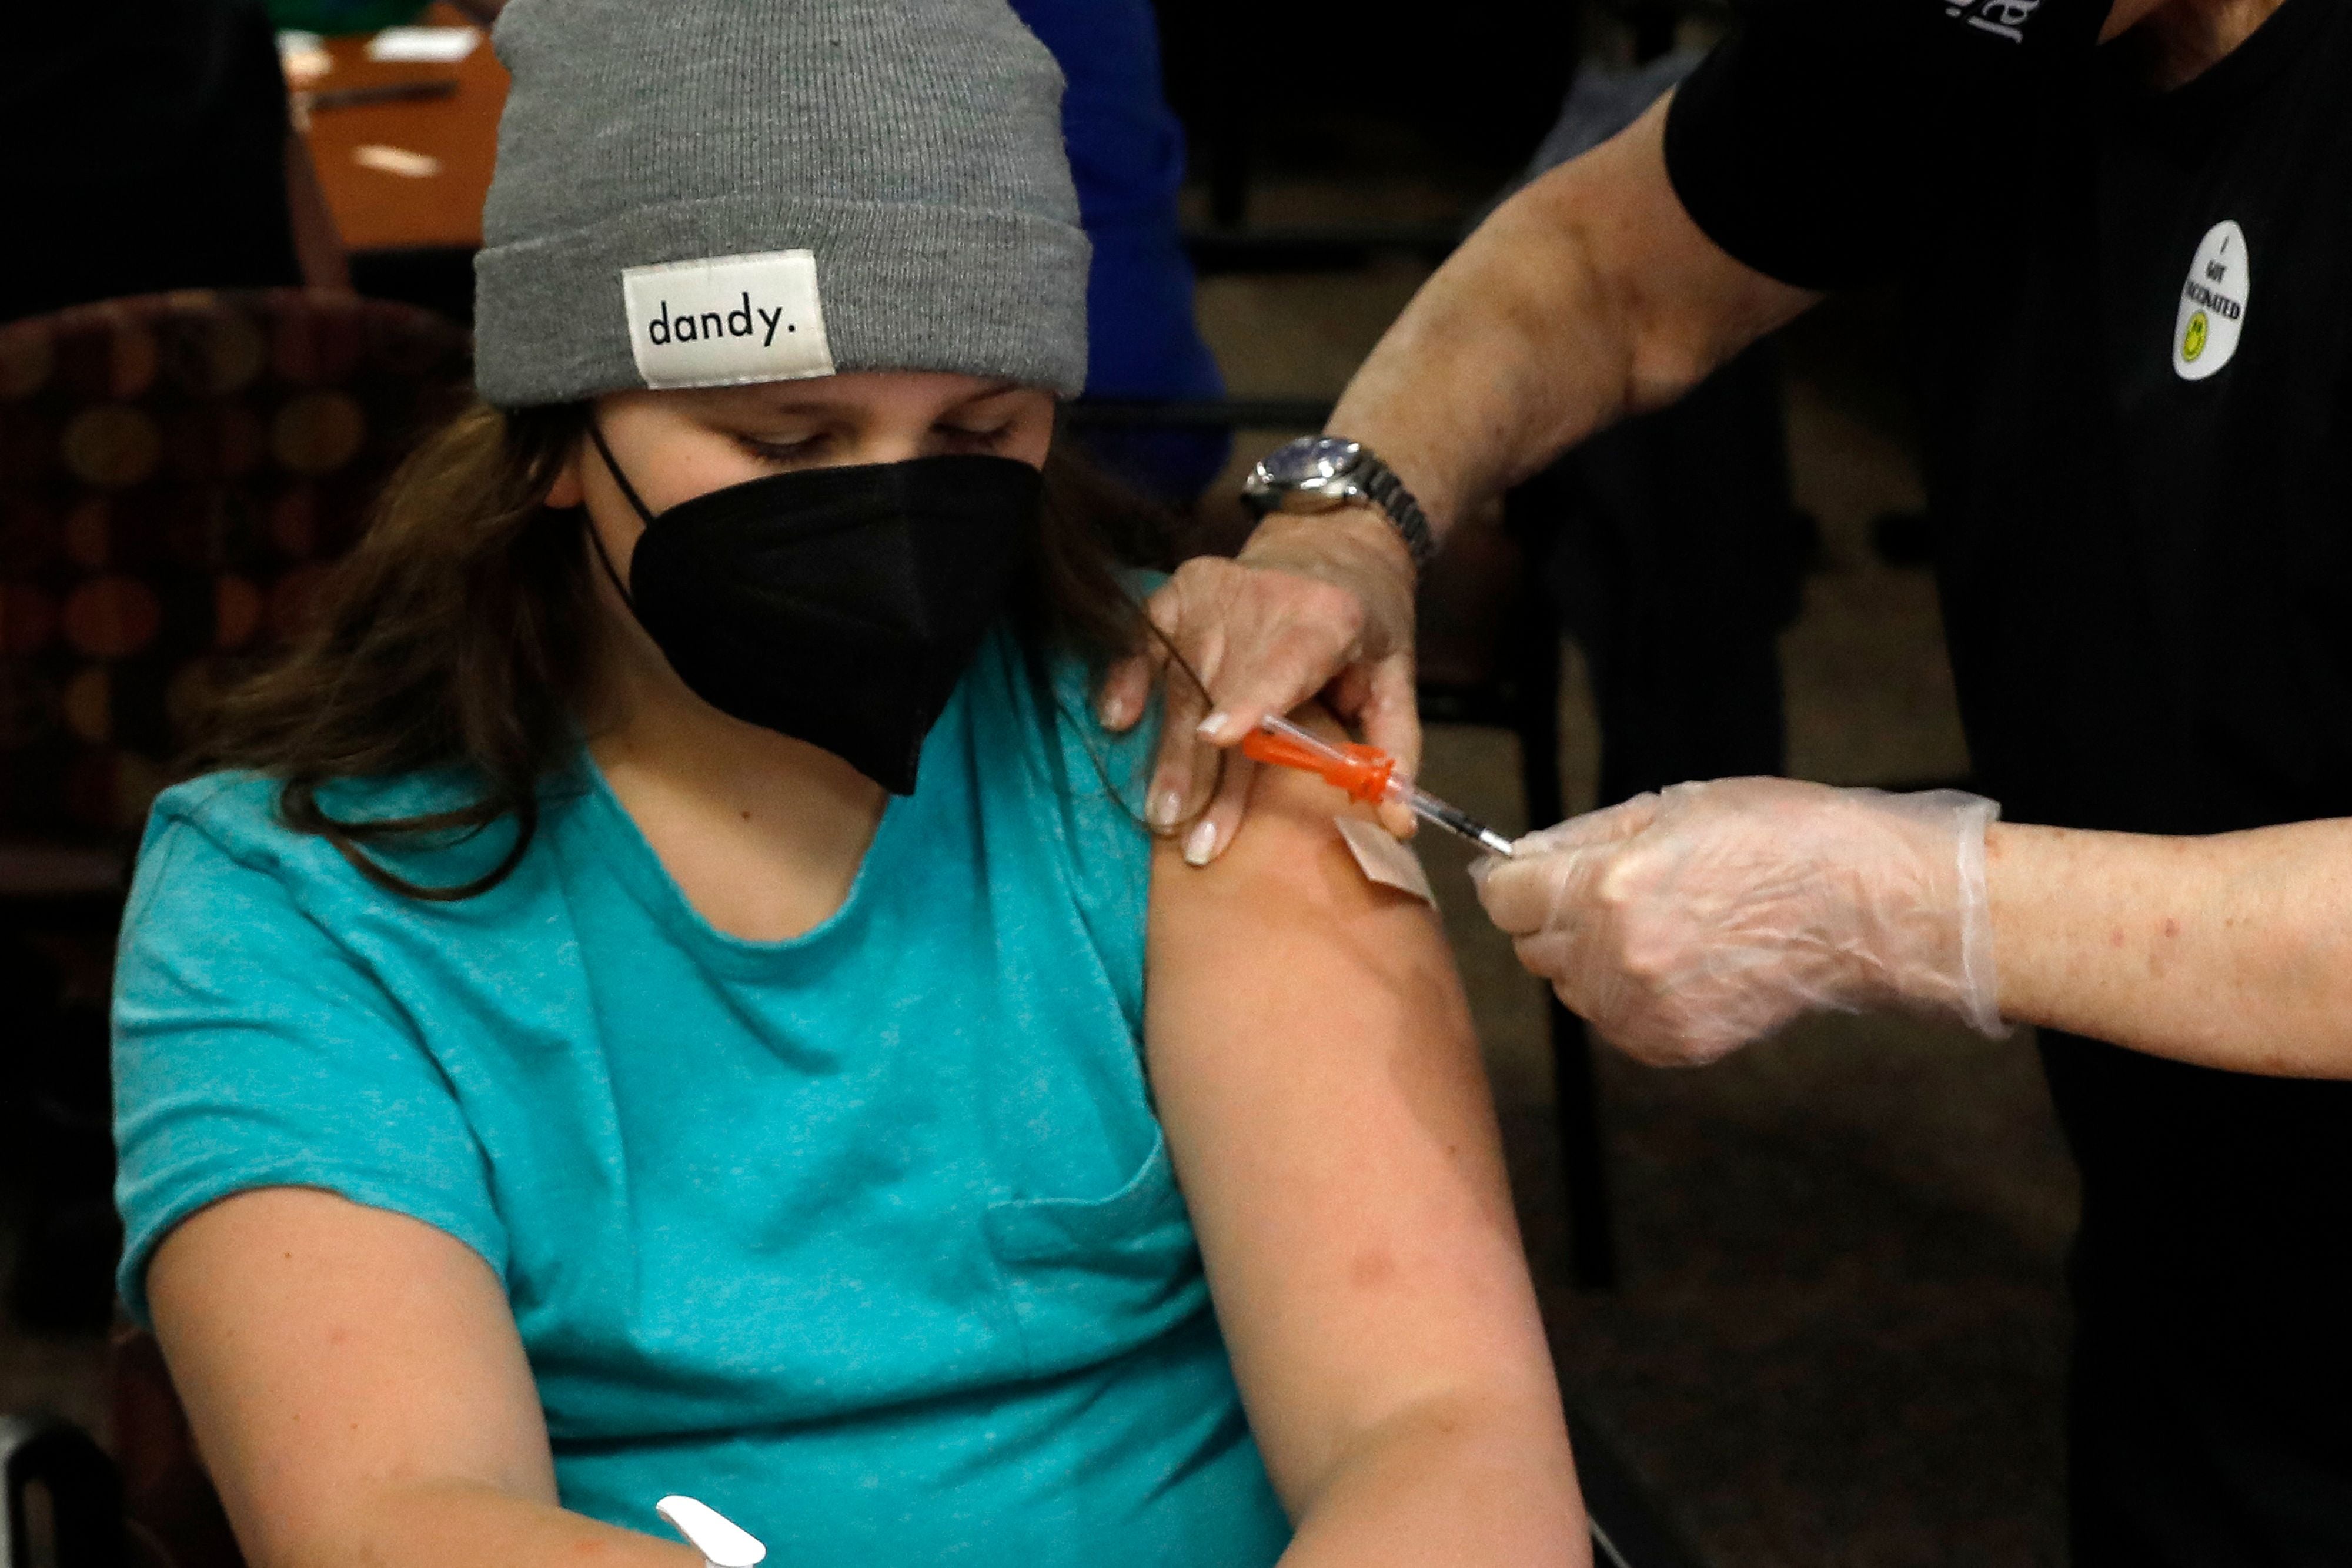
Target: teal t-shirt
x: 867, y: 1239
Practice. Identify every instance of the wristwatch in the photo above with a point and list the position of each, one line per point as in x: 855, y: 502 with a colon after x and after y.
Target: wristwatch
x: 1323, y: 473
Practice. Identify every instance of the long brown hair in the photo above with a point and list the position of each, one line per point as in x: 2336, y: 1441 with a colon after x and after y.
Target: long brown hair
x: 461, y: 632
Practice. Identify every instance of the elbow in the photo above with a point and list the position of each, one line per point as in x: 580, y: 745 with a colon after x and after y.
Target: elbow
x: 1467, y: 1480
x: 1661, y: 368
x: 1676, y: 335
x: 1503, y: 1450
x: 1656, y: 344
x: 2327, y: 1025
x: 2290, y: 1002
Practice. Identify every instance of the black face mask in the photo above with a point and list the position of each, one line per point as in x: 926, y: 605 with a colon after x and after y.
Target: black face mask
x: 839, y: 606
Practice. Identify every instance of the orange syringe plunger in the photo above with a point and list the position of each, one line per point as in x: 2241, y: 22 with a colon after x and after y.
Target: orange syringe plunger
x: 1366, y: 773
x: 1362, y: 771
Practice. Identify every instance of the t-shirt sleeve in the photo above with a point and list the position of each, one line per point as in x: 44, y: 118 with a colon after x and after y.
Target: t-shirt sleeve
x: 1108, y: 778
x: 1786, y: 145
x: 252, y: 1050
x: 1809, y: 143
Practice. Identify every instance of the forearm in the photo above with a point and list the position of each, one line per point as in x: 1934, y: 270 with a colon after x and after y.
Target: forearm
x: 359, y: 1392
x: 457, y: 1524
x: 2230, y: 951
x: 1450, y: 1482
x: 1587, y: 296
x: 1508, y: 354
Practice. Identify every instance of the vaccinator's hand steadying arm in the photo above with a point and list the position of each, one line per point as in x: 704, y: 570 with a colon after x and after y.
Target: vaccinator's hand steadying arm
x: 1588, y: 296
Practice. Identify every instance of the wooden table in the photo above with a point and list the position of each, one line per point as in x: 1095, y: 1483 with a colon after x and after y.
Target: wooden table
x: 377, y: 210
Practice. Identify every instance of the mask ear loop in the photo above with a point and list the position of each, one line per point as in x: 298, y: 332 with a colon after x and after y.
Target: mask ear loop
x: 595, y: 537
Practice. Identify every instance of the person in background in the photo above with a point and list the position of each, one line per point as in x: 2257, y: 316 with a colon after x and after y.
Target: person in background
x: 150, y: 149
x: 2126, y: 269
x: 669, y: 992
x: 1127, y: 155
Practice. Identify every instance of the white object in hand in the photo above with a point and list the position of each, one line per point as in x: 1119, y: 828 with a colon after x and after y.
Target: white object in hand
x: 722, y: 1542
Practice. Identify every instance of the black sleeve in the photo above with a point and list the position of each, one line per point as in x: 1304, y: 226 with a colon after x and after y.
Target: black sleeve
x: 1810, y: 141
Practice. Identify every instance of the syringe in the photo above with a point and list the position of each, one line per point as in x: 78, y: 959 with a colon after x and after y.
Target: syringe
x: 1365, y: 772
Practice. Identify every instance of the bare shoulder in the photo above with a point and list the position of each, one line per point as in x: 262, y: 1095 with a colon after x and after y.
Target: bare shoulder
x: 1288, y: 871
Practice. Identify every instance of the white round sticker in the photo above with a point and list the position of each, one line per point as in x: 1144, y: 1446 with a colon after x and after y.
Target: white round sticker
x: 2212, y: 304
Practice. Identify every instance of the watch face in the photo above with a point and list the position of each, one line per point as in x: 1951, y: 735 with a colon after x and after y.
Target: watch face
x: 1309, y: 465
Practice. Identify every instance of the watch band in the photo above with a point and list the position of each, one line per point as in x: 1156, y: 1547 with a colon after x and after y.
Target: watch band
x: 1404, y: 514
x: 1339, y: 471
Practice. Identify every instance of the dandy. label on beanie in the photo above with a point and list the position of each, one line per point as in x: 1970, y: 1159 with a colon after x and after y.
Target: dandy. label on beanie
x: 712, y: 193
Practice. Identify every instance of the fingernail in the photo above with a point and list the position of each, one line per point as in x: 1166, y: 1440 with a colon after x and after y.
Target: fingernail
x: 1166, y: 809
x: 1114, y: 713
x: 1201, y: 844
x: 1213, y: 727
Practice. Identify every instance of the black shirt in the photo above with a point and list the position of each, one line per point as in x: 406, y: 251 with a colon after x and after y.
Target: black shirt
x: 2145, y: 540
x: 147, y: 151
x: 2132, y: 324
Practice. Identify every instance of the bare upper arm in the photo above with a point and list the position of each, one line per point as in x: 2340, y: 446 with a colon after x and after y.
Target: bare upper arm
x: 1687, y: 303
x: 1331, y: 1125
x: 325, y: 1350
x: 1588, y: 296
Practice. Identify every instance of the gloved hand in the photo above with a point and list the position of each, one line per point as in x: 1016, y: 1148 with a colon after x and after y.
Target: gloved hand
x: 1684, y: 925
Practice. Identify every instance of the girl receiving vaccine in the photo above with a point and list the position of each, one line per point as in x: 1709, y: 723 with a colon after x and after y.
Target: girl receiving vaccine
x: 668, y: 991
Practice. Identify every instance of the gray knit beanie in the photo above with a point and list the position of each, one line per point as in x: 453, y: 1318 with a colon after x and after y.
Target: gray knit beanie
x: 707, y: 193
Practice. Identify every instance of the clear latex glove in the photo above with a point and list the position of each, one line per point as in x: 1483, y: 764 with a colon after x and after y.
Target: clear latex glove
x: 1684, y: 925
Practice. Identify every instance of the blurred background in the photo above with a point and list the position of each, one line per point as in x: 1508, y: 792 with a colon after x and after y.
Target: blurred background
x: 1807, y: 1304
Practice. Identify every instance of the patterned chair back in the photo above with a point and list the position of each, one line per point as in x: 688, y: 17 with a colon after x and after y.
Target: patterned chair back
x: 177, y: 471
